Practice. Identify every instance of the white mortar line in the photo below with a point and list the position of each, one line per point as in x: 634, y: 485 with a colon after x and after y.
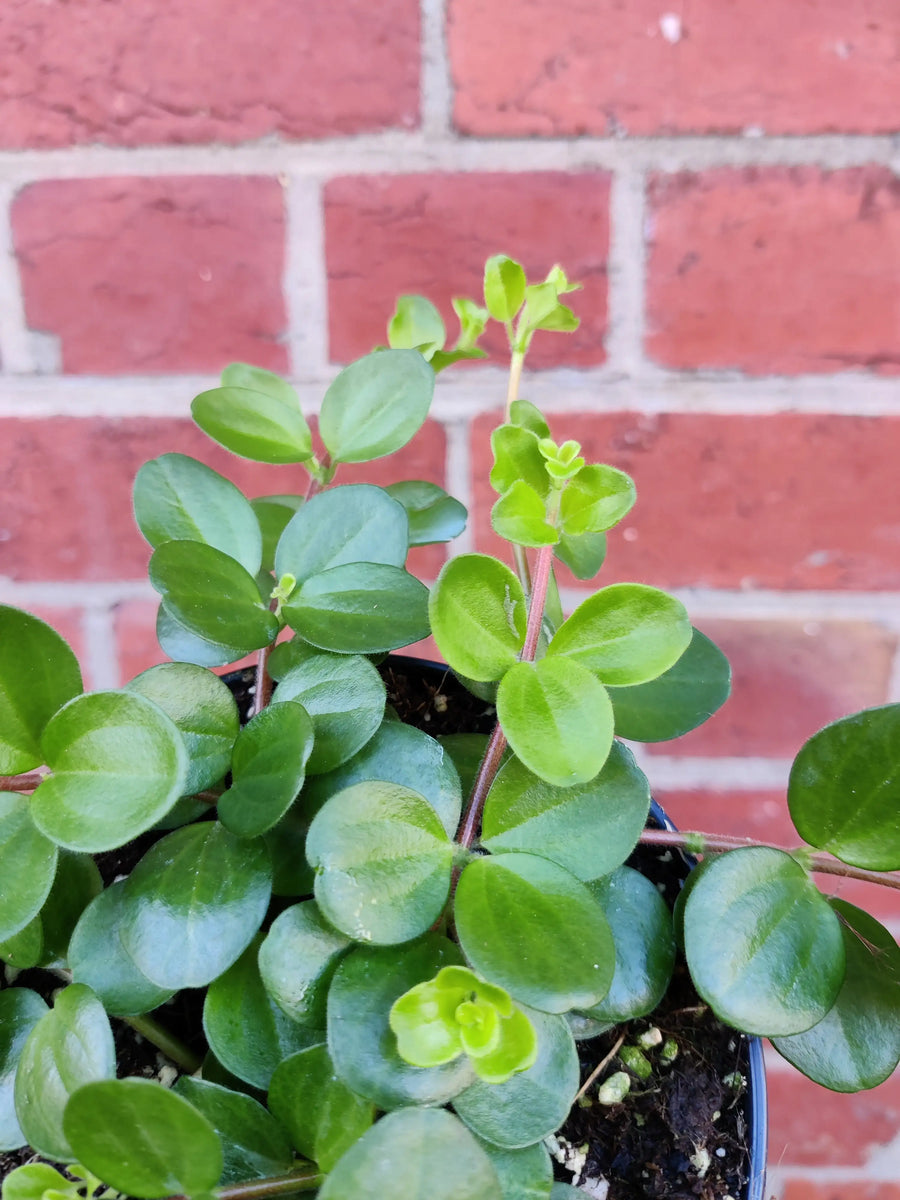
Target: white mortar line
x: 305, y: 276
x: 457, y: 475
x: 16, y: 347
x: 73, y: 593
x: 101, y: 660
x: 625, y: 337
x: 436, y: 95
x: 893, y: 688
x: 668, y: 773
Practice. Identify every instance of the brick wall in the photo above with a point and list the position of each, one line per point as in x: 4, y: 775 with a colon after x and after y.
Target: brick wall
x: 181, y: 185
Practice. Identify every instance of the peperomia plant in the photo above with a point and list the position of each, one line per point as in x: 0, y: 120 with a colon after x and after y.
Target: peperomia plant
x: 391, y: 967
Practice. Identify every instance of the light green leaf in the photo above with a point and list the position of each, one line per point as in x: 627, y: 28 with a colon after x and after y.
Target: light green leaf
x: 179, y: 499
x: 38, y: 675
x: 517, y: 458
x: 38, y: 1181
x: 416, y: 325
x: 20, y: 1011
x: 478, y: 616
x: 376, y: 405
x: 254, y: 1144
x: 626, y: 633
x: 183, y: 646
x: 583, y: 555
x: 504, y: 287
x: 27, y: 865
x: 297, y: 960
x: 118, y: 764
x: 433, y: 515
x: 557, y: 718
x: 24, y: 949
x: 256, y: 416
x: 530, y: 417
x: 596, y: 499
x: 764, y: 949
x: 520, y: 516
x: 525, y: 1174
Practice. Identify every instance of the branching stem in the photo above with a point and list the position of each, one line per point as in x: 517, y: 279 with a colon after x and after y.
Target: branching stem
x: 163, y: 1040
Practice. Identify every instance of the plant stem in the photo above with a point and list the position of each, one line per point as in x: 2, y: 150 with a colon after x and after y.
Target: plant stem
x: 263, y: 690
x: 305, y: 1179
x: 516, y: 361
x: 820, y: 864
x: 170, y: 1045
x: 25, y: 784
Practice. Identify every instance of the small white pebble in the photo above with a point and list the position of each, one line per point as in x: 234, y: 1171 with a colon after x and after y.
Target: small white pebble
x: 720, y: 1153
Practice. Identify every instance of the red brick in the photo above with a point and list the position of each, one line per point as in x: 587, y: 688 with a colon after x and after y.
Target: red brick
x: 775, y: 270
x: 790, y: 501
x: 134, y: 626
x: 389, y: 235
x: 147, y: 275
x: 789, y: 679
x: 139, y: 73
x: 607, y: 67
x: 814, y: 1189
x: 65, y: 490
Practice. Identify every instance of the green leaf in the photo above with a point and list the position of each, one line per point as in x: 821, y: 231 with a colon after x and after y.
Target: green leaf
x: 183, y: 646
x: 678, y: 700
x: 517, y: 459
x: 382, y: 861
x: 344, y: 695
x: 532, y: 1104
x: 764, y: 948
x: 359, y: 608
x: 38, y: 675
x: 35, y: 1181
x: 25, y: 948
x: 362, y: 1047
x: 531, y: 927
x: 843, y: 792
x: 297, y: 960
x: 557, y: 718
x: 465, y: 751
x: 351, y: 524
x: 541, y: 300
x: 399, y: 754
x: 641, y: 925
x: 98, y: 958
x: 589, y: 829
x: 247, y: 1032
x: 583, y: 555
x: 433, y: 515
x: 118, y: 764
x: 212, y: 596
x: 324, y: 1118
x: 376, y: 405
x: 69, y: 1046
x: 530, y: 417
x: 472, y: 321
x: 76, y: 884
x: 525, y: 1174
x: 143, y: 1139
x: 419, y: 1154
x: 179, y: 499
x: 254, y: 1144
x: 416, y: 325
x: 204, y: 711
x: 520, y: 516
x: 626, y: 633
x: 478, y: 616
x: 27, y: 865
x: 446, y: 358
x: 291, y: 873
x: 193, y: 903
x: 504, y: 287
x: 268, y: 768
x: 856, y: 1045
x: 20, y: 1011
x: 273, y: 514
x: 595, y: 500
x: 256, y: 416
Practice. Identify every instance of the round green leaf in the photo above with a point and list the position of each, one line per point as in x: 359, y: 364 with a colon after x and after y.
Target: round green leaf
x: 98, y: 958
x: 433, y: 515
x: 212, y: 596
x: 142, y: 1139
x: 268, y: 768
x: 118, y: 764
x: 478, y: 616
x: 297, y: 960
x: 376, y: 405
x: 25, y: 948
x: 678, y: 700
x: 204, y: 711
x: 35, y: 1181
x: 69, y: 1046
x: 362, y: 1046
x: 382, y: 861
x: 359, y: 608
x: 76, y: 884
x: 399, y: 754
x: 557, y: 718
x: 641, y: 925
x: 532, y: 1104
x: 193, y: 902
x: 531, y: 927
x: 589, y: 829
x: 626, y: 633
x: 322, y: 1115
x: 266, y: 426
x: 254, y: 1144
x: 286, y: 842
x: 273, y: 514
x: 583, y: 555
x: 20, y: 1011
x: 247, y: 1032
x: 183, y: 646
x: 344, y: 695
x: 352, y: 524
x: 856, y: 1045
x: 517, y: 457
x: 416, y: 325
x: 764, y: 948
x: 525, y: 1174
x: 417, y: 1153
x: 596, y: 499
x: 38, y: 675
x: 179, y: 499
x: 504, y: 287
x: 520, y: 515
x: 27, y: 865
x: 843, y: 792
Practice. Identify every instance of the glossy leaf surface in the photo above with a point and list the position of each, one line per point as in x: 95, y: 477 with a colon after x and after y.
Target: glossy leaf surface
x: 27, y: 865
x: 183, y: 646
x: 256, y: 418
x: 478, y: 616
x: 273, y: 514
x: 268, y: 768
x: 20, y: 1011
x: 433, y: 515
x: 76, y: 884
x: 254, y: 1144
x: 525, y: 1174
x: 297, y: 960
